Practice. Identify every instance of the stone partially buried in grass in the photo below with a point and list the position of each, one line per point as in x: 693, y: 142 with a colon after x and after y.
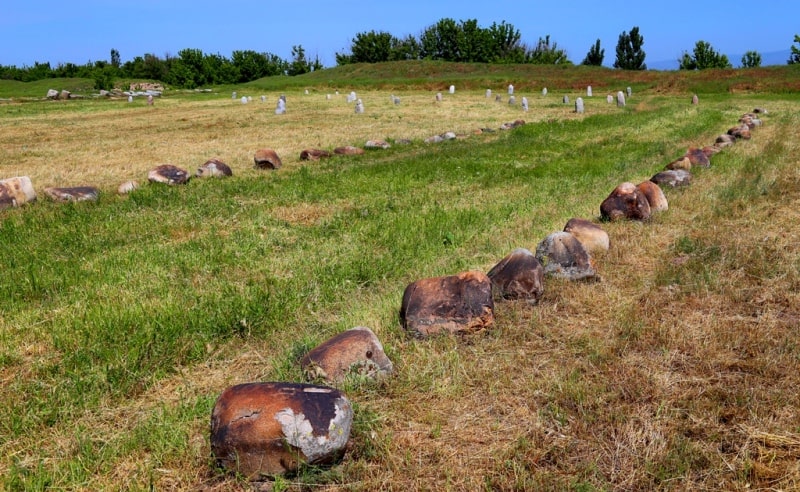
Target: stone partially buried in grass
x: 625, y: 202
x: 74, y: 194
x: 348, y: 150
x: 563, y: 256
x: 356, y: 352
x: 267, y: 159
x: 272, y: 428
x: 518, y: 276
x: 593, y: 238
x: 214, y: 168
x: 457, y: 304
x: 697, y: 157
x: 314, y: 154
x: 168, y: 174
x: 655, y: 196
x: 673, y: 178
x: 16, y: 191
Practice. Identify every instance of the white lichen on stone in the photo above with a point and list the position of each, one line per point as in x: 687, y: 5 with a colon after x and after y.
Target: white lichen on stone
x: 299, y: 432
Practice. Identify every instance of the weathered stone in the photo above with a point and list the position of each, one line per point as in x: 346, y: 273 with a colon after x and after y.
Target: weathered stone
x: 589, y: 91
x: 579, y: 106
x: 697, y: 157
x: 710, y: 150
x: 498, y: 98
x: 16, y: 191
x: 741, y: 131
x: 629, y: 91
x: 348, y: 150
x: 544, y: 91
x: 655, y: 196
x: 563, y: 256
x: 620, y: 99
x: 488, y: 93
x: 625, y: 202
x: 52, y: 94
x: 510, y: 89
x: 725, y: 140
x: 395, y: 100
x: 512, y: 100
x: 695, y: 100
x: 356, y: 352
x: 760, y: 111
x: 449, y: 135
x: 452, y: 89
x: 438, y: 97
x: 168, y: 174
x: 518, y: 276
x: 314, y: 154
x: 214, y: 168
x: 272, y: 428
x: 565, y: 99
x: 682, y: 163
x: 593, y: 238
x: 233, y: 95
x: 280, y: 107
x: 456, y: 304
x: 673, y: 178
x: 434, y: 139
x: 524, y: 103
x: 263, y: 99
x: 376, y: 144
x: 127, y: 187
x: 150, y: 100
x: 64, y: 94
x: 245, y: 100
x: 359, y: 107
x: 130, y: 99
x: 609, y: 99
x: 267, y: 159
x: 73, y: 194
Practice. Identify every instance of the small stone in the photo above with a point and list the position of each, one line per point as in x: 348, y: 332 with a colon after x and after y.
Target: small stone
x: 438, y: 97
x: 359, y: 106
x: 725, y: 140
x: 353, y: 352
x: 498, y: 98
x: 695, y: 100
x: 434, y: 139
x: 280, y: 107
x: 74, y: 194
x: 579, y: 105
x: 130, y: 99
x: 127, y: 187
x: 52, y: 94
x: 563, y: 256
x: 16, y: 191
x: 760, y: 111
x: 488, y: 93
x: 625, y: 202
x: 214, y: 168
x: 244, y: 100
x: 682, y: 163
x: 449, y: 135
x: 593, y: 238
x: 518, y: 276
x: 544, y: 91
x: 457, y: 304
x: 673, y: 178
x: 376, y: 144
x: 314, y: 154
x: 168, y: 174
x: 512, y: 100
x: 740, y: 132
x: 64, y: 94
x: 348, y: 150
x: 697, y: 157
x: 524, y: 103
x: 150, y: 100
x: 629, y: 91
x: 609, y: 99
x: 233, y: 95
x: 267, y: 159
x: 655, y: 196
x: 565, y: 99
x: 452, y: 89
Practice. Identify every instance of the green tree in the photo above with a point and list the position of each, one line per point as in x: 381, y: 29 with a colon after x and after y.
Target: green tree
x: 751, y: 59
x: 370, y: 47
x: 595, y: 55
x: 547, y: 54
x: 299, y: 64
x: 704, y: 56
x: 250, y: 65
x: 115, y: 61
x: 504, y: 44
x: 630, y: 55
x: 405, y: 49
x: 440, y: 41
x: 795, y: 56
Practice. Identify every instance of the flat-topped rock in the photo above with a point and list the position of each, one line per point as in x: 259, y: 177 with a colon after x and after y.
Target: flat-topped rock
x: 355, y: 352
x: 673, y: 178
x: 457, y: 304
x: 272, y: 428
x: 16, y: 191
x: 168, y: 174
x: 314, y: 154
x: 267, y: 159
x: 563, y: 256
x: 593, y: 238
x: 348, y: 150
x: 697, y: 157
x: 625, y: 202
x: 214, y: 168
x: 376, y: 144
x: 73, y: 194
x: 518, y: 276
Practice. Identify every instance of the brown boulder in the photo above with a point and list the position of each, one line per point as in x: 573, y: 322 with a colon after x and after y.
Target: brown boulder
x: 741, y: 131
x: 563, y: 256
x: 16, y: 191
x: 314, y: 154
x: 74, y: 194
x: 697, y: 157
x: 673, y: 178
x: 214, y: 168
x: 348, y: 150
x: 355, y: 351
x: 267, y: 159
x: 168, y: 174
x: 458, y: 304
x: 593, y: 238
x: 710, y: 150
x: 272, y: 428
x: 625, y: 202
x: 683, y: 163
x: 655, y: 196
x: 518, y: 276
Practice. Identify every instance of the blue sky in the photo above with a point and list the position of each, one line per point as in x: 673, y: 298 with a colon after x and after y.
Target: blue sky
x: 59, y: 32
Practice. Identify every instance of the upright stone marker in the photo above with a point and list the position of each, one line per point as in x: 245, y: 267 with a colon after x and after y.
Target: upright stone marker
x: 565, y: 100
x: 263, y: 99
x: 244, y: 99
x: 438, y: 97
x: 233, y: 95
x: 452, y: 89
x: 281, y: 107
x: 510, y: 89
x: 150, y: 100
x: 359, y: 106
x: 695, y: 100
x: 579, y: 105
x: 609, y: 99
x: 512, y: 100
x: 589, y: 91
x: 498, y: 98
x: 630, y: 91
x: 130, y: 99
x: 488, y: 93
x: 524, y: 103
x: 544, y: 91
x: 620, y: 99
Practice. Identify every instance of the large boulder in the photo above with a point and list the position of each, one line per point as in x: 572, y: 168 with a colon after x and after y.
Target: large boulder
x: 625, y: 202
x: 267, y: 159
x: 655, y: 196
x: 456, y: 304
x: 16, y: 191
x: 593, y: 238
x: 168, y: 174
x: 563, y: 256
x: 272, y: 428
x: 356, y: 351
x: 73, y: 194
x: 518, y: 276
x: 697, y: 157
x: 673, y: 178
x: 214, y: 168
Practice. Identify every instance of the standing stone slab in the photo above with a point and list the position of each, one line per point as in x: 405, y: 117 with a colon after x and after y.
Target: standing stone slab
x: 16, y: 191
x: 589, y: 91
x: 512, y: 100
x: 280, y: 107
x: 267, y: 159
x: 510, y: 89
x: 356, y: 351
x: 625, y: 202
x: 359, y: 107
x: 168, y: 174
x: 593, y: 238
x: 609, y: 99
x: 452, y: 89
x: 524, y: 103
x: 544, y: 91
x: 457, y: 304
x: 565, y: 99
x: 518, y: 276
x: 272, y: 428
x: 620, y: 99
x: 488, y: 93
x: 579, y: 106
x: 438, y: 97
x: 695, y: 100
x: 563, y: 256
x: 629, y: 91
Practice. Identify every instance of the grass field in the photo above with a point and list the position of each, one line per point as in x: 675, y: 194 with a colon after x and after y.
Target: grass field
x: 122, y: 320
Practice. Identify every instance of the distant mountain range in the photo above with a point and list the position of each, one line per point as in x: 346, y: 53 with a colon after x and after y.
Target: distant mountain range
x: 771, y: 58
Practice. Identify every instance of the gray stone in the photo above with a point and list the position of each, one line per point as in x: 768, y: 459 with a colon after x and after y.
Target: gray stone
x: 510, y: 89
x: 127, y: 187
x: 518, y: 276
x: 488, y: 93
x: 52, y: 94
x: 64, y: 94
x: 563, y: 256
x: 359, y: 106
x: 498, y: 98
x: 438, y: 96
x: 620, y: 99
x: 376, y: 144
x: 233, y: 95
x: 673, y: 178
x: 565, y: 99
x: 280, y: 108
x: 452, y: 89
x: 168, y: 174
x: 512, y: 100
x: 263, y: 99
x: 130, y: 99
x: 544, y: 91
x: 213, y: 168
x: 695, y: 100
x: 150, y: 100
x: 73, y: 194
x: 524, y: 103
x: 625, y: 202
x: 629, y: 91
x: 16, y: 191
x: 245, y: 100
x: 589, y: 91
x: 579, y: 106
x: 609, y: 99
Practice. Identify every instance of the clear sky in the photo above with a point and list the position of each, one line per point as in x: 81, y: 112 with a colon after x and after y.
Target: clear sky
x: 78, y: 32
